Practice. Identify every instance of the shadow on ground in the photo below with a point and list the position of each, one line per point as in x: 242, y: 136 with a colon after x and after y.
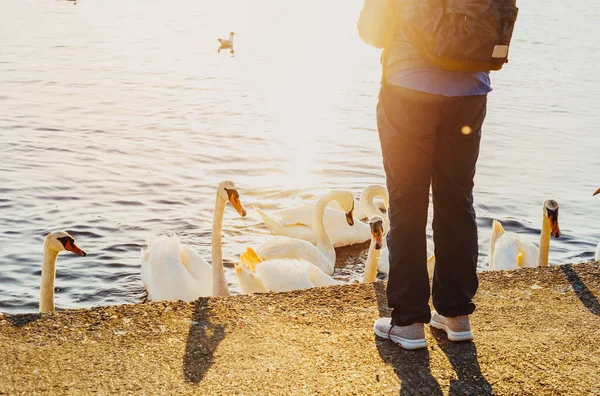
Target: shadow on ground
x: 413, y: 367
x: 463, y: 358
x: 581, y: 290
x: 203, y: 340
x: 22, y: 319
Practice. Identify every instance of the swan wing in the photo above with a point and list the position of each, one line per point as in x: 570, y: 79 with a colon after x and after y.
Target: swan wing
x: 277, y: 227
x: 301, y: 215
x: 529, y: 254
x: 280, y: 247
x: 334, y: 221
x: 284, y: 275
x: 509, y: 247
x: 166, y: 276
x: 317, y: 277
x: 197, y: 266
x: 248, y: 281
x: 343, y: 234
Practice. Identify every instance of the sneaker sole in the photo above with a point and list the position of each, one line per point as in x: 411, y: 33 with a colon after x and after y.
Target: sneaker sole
x: 453, y: 335
x: 403, y: 342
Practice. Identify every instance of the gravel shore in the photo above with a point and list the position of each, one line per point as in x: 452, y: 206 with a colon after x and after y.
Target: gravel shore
x: 537, y: 333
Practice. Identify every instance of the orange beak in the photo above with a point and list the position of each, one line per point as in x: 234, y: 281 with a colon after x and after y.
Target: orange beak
x: 71, y: 247
x: 555, y: 229
x: 597, y: 192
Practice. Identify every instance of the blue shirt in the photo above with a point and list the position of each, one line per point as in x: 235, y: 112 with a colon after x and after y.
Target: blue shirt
x: 442, y: 82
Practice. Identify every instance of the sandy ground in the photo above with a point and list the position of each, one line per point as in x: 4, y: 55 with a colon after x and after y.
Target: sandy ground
x: 537, y: 333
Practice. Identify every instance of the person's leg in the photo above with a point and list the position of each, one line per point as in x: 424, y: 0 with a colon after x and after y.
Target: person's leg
x: 407, y: 123
x: 454, y: 225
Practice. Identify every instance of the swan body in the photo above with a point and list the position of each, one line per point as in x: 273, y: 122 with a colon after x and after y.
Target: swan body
x: 323, y: 255
x: 280, y: 247
x: 54, y: 243
x: 226, y: 44
x: 510, y: 251
x: 172, y: 271
x: 279, y: 275
x: 384, y: 262
x: 298, y: 222
x: 169, y: 274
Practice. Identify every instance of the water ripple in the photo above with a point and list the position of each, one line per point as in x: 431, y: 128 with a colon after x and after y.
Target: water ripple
x: 117, y: 131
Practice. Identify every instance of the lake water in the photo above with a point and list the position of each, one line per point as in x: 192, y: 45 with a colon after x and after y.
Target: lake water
x: 118, y: 119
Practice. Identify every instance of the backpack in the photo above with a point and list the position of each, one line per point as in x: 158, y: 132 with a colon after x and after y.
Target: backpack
x: 456, y: 35
x: 461, y: 35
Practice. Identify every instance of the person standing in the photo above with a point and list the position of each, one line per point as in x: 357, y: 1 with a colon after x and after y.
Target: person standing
x: 431, y: 109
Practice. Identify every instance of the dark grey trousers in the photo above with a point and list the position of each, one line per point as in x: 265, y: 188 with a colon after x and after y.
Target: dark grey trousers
x: 430, y: 140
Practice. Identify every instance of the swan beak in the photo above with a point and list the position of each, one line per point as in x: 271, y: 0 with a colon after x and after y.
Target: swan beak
x: 234, y: 198
x: 597, y: 192
x: 555, y: 228
x: 350, y: 217
x: 71, y: 247
x: 553, y: 218
x: 377, y: 234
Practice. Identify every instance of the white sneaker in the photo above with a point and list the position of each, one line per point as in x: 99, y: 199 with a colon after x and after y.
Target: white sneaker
x: 408, y: 337
x: 457, y: 328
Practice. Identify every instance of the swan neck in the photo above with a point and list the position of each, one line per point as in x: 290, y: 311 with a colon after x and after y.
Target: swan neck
x: 220, y: 287
x: 372, y: 263
x: 47, y: 281
x: 367, y: 202
x: 544, y: 250
x: 324, y: 243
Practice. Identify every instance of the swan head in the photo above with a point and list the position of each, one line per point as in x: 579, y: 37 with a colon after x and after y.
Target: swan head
x: 60, y: 241
x: 231, y: 33
x: 228, y: 192
x: 346, y: 200
x: 376, y: 225
x: 550, y: 210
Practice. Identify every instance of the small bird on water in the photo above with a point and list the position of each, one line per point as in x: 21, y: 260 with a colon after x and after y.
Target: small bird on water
x: 226, y: 44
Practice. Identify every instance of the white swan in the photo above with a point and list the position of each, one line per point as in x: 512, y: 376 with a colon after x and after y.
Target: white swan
x: 510, y: 251
x: 54, y: 243
x: 367, y: 202
x: 376, y: 251
x: 258, y: 276
x: 298, y: 223
x: 323, y: 255
x: 367, y: 206
x: 377, y: 231
x: 171, y: 271
x: 384, y: 262
x: 226, y: 44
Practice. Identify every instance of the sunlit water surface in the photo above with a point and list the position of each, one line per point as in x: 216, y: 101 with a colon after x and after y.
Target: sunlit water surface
x: 118, y: 119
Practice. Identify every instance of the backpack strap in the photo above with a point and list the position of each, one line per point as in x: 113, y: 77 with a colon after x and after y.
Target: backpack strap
x: 384, y: 61
x: 385, y: 54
